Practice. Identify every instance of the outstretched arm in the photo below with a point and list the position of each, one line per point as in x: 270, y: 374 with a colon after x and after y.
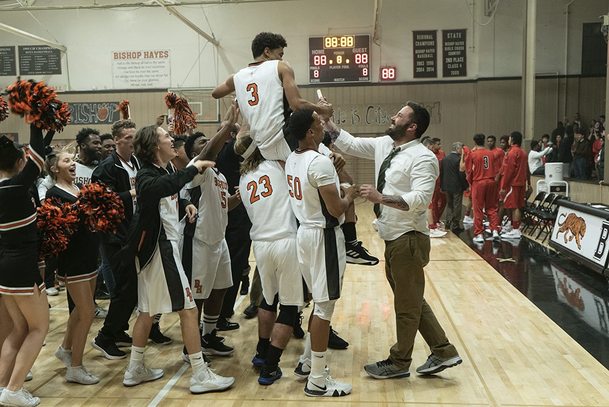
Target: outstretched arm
x: 286, y: 74
x: 224, y: 89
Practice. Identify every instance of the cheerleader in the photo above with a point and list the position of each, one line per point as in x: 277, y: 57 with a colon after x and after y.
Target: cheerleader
x: 153, y: 244
x: 21, y: 285
x: 77, y: 267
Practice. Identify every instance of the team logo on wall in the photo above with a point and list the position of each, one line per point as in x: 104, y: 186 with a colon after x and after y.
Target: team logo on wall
x: 573, y: 227
x: 93, y: 112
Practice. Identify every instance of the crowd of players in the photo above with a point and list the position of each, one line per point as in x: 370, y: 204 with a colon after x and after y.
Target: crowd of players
x: 179, y: 250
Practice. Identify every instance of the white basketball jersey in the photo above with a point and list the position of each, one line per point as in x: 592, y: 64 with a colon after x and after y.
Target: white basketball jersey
x: 265, y: 195
x: 305, y: 198
x: 212, y: 215
x: 169, y: 212
x: 260, y: 97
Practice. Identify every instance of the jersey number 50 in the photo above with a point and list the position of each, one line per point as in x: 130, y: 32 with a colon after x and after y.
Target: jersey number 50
x: 295, y: 187
x: 253, y: 89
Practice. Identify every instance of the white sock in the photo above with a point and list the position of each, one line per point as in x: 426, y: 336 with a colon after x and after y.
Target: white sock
x: 137, y: 356
x: 318, y: 367
x: 209, y: 323
x: 197, y: 362
x: 306, y: 354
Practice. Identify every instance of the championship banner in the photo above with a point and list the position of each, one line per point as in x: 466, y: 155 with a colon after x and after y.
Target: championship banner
x: 582, y: 234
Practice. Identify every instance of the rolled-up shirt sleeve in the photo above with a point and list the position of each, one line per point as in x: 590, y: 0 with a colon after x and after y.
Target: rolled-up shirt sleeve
x: 362, y: 147
x: 423, y: 181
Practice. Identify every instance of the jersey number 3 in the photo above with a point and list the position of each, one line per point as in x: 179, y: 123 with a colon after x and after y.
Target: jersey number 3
x: 252, y: 88
x: 252, y: 187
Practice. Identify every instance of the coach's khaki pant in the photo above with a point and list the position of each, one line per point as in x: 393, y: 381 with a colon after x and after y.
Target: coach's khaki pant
x: 405, y: 258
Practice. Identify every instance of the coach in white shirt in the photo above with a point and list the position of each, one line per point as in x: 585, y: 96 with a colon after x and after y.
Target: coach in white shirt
x: 406, y: 172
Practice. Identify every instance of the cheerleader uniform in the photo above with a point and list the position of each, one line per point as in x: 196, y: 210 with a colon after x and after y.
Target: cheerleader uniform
x: 19, y: 272
x: 78, y: 262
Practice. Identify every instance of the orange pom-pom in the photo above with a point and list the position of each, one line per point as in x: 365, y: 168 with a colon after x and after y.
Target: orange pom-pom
x: 57, y: 223
x: 123, y: 108
x: 3, y: 109
x: 184, y: 119
x: 101, y: 209
x: 38, y: 104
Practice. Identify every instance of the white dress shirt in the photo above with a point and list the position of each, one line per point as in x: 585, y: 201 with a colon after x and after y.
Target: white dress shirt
x: 411, y: 175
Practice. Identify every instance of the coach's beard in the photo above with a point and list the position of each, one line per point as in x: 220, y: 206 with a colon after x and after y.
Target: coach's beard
x: 396, y: 132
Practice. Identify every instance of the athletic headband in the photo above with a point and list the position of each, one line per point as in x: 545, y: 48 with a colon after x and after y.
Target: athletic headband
x: 249, y: 150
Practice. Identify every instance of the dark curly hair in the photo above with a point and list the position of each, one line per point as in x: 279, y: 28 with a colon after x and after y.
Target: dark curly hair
x: 84, y: 133
x: 145, y: 143
x: 266, y: 39
x: 189, y: 145
x: 9, y: 153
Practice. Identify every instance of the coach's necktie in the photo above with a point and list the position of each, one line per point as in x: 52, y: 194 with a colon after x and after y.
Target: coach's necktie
x: 380, y: 181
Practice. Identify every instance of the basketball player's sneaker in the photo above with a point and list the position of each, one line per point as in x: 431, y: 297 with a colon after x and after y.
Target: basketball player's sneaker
x: 435, y: 364
x: 212, y: 345
x: 258, y: 361
x: 108, y: 347
x: 512, y: 234
x: 123, y: 340
x: 335, y: 341
x: 478, y: 239
x: 269, y: 375
x: 326, y: 386
x: 385, y: 369
x: 157, y: 336
x: 20, y: 397
x: 186, y: 359
x: 206, y: 380
x: 468, y: 219
x: 80, y: 375
x: 357, y: 254
x: 303, y: 369
x: 139, y: 373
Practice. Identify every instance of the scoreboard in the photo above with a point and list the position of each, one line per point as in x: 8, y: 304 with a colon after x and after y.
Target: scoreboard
x: 339, y: 58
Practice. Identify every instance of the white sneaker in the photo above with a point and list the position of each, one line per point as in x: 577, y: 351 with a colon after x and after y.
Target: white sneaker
x: 52, y: 291
x: 29, y: 376
x: 80, y: 375
x: 512, y: 234
x: 468, y: 219
x: 437, y: 233
x: 206, y: 380
x: 506, y: 228
x: 19, y: 398
x: 495, y: 234
x: 64, y: 355
x: 140, y: 374
x: 330, y: 387
x: 479, y: 239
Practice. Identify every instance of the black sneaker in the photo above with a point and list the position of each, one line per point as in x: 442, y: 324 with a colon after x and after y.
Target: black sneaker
x: 298, y: 332
x: 269, y: 375
x: 102, y: 295
x: 258, y: 361
x: 108, y: 347
x: 335, y: 341
x: 123, y: 340
x: 226, y: 325
x: 357, y: 254
x: 157, y: 336
x: 251, y: 311
x: 213, y: 346
x: 186, y: 359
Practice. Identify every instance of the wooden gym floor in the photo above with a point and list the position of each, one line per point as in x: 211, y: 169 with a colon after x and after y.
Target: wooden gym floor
x: 513, y: 355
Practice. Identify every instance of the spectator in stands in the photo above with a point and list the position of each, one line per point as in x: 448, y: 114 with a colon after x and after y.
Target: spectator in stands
x: 601, y: 158
x: 582, y: 152
x: 453, y: 184
x: 536, y: 155
x: 564, y: 152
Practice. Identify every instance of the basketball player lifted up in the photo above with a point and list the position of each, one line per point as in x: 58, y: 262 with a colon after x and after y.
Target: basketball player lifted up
x: 266, y: 91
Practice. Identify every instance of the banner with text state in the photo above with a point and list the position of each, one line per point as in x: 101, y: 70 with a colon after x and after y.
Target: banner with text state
x: 149, y: 69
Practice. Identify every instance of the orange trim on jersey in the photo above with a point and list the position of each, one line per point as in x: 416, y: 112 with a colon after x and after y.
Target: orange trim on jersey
x: 18, y: 223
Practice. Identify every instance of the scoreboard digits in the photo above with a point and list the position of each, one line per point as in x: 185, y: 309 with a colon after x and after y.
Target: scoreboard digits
x: 340, y: 58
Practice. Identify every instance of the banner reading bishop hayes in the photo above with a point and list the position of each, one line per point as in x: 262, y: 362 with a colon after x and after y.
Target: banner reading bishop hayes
x: 149, y: 69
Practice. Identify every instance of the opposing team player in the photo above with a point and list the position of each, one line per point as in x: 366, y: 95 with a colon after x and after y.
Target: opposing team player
x: 481, y: 171
x: 265, y: 195
x: 316, y: 202
x: 266, y: 90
